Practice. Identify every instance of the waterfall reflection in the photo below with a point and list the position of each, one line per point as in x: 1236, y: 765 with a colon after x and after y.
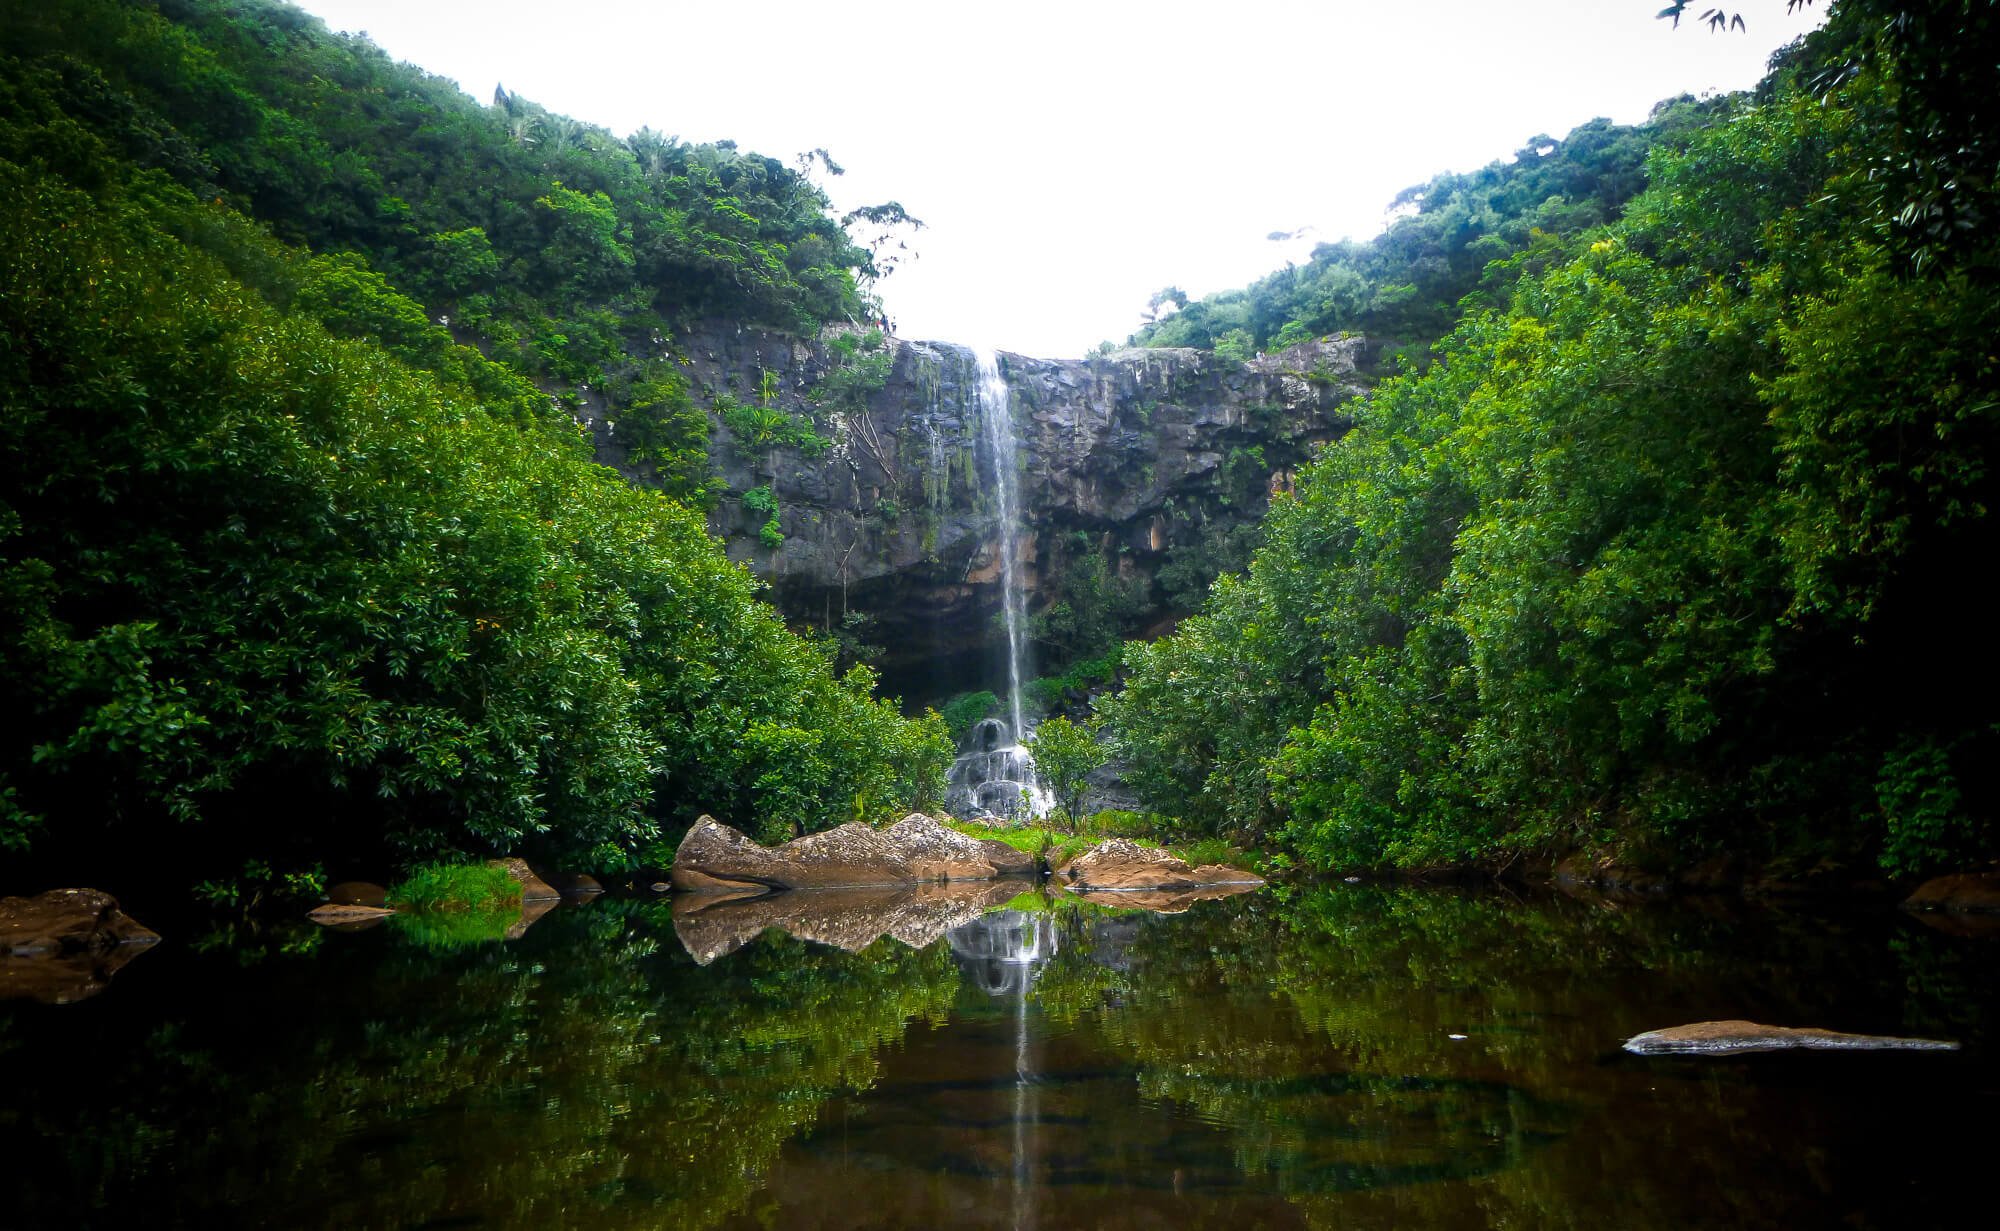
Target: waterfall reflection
x: 1002, y: 953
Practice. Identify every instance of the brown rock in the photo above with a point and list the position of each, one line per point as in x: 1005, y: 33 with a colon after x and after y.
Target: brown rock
x: 1119, y: 865
x: 348, y: 916
x: 715, y: 858
x: 1008, y: 860
x: 358, y: 893
x: 533, y: 887
x: 1729, y: 1038
x: 1962, y: 893
x: 64, y: 945
x: 67, y: 921
x: 937, y: 853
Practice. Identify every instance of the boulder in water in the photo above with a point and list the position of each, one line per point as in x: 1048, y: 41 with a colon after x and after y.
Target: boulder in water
x: 533, y: 887
x: 348, y: 916
x: 716, y: 858
x: 1729, y: 1038
x: 1120, y: 865
x: 1963, y: 893
x: 63, y: 946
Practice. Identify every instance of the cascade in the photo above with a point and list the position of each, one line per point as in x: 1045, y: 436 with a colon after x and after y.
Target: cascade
x: 994, y: 775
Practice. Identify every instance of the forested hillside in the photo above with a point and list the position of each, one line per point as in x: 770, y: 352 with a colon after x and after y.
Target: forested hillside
x: 1673, y: 547
x: 1458, y: 235
x: 291, y: 575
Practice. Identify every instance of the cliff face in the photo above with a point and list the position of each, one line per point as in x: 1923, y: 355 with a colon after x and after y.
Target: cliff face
x: 1127, y: 456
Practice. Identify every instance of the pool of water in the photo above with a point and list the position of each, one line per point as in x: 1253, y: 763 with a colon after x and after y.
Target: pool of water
x: 1343, y: 1057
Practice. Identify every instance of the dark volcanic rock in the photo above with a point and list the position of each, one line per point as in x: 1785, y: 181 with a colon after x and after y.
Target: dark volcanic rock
x: 64, y: 945
x: 1119, y: 865
x: 1137, y: 452
x: 715, y: 858
x: 1731, y: 1038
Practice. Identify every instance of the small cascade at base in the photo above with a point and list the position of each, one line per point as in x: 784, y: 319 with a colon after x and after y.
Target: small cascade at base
x: 994, y: 777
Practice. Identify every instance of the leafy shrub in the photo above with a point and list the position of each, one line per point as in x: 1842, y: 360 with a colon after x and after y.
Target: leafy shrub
x: 965, y: 710
x: 1922, y: 812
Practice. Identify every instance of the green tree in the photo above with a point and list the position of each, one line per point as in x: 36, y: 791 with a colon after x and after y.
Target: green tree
x: 1065, y: 753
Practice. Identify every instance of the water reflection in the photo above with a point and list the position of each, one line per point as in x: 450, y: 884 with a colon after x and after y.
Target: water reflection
x: 1351, y: 1057
x: 1001, y: 954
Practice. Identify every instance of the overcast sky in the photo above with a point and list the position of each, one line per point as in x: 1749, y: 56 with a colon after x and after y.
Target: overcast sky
x: 1072, y: 158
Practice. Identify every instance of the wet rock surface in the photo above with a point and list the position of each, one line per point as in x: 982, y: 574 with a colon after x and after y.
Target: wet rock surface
x: 64, y: 945
x: 1729, y: 1038
x: 716, y: 858
x: 348, y: 916
x: 1120, y: 865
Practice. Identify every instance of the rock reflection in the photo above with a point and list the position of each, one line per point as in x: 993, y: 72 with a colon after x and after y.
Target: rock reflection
x: 710, y: 926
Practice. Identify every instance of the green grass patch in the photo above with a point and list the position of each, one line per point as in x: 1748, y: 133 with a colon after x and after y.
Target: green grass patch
x: 1055, y: 848
x: 434, y: 888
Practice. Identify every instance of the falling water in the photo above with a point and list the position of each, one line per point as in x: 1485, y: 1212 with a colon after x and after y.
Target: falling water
x: 994, y: 410
x: 994, y: 771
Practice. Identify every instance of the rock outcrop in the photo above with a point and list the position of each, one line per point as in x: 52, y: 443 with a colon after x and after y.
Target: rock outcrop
x: 64, y: 945
x: 1127, y: 455
x: 1729, y: 1038
x: 1120, y: 865
x: 716, y: 858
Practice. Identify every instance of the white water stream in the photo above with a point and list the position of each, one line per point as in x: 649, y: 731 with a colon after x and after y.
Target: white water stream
x: 994, y: 774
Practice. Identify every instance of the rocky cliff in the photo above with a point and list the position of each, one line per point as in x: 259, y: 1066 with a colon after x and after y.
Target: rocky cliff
x: 887, y: 512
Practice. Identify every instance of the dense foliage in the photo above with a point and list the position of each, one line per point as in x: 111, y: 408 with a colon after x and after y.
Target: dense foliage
x: 1668, y: 554
x: 270, y: 539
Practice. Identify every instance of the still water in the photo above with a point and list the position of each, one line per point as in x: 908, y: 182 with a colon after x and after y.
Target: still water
x: 1288, y: 1059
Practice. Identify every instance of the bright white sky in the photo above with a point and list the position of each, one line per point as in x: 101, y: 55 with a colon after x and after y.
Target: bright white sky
x: 1072, y: 158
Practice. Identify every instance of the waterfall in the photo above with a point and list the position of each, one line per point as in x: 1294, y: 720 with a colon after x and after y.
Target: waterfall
x: 993, y: 770
x: 999, y: 420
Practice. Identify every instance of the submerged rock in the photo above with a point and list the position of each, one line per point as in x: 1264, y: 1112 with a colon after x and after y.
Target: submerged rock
x: 574, y: 884
x: 1120, y: 865
x: 1963, y: 893
x: 64, y: 945
x: 716, y: 858
x: 1728, y: 1038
